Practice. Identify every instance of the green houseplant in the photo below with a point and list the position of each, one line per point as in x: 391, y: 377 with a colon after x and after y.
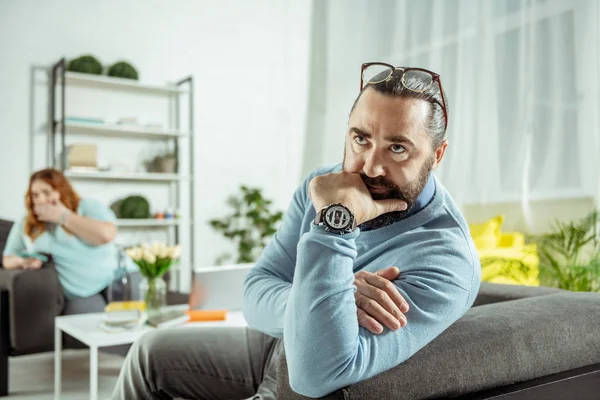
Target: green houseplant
x: 134, y: 207
x: 250, y: 225
x: 570, y: 254
x: 86, y: 64
x: 123, y: 69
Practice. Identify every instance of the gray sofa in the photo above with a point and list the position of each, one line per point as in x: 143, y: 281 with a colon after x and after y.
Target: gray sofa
x: 29, y: 302
x: 516, y: 342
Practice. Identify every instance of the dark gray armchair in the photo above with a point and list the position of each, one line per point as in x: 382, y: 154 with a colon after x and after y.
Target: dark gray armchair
x: 29, y: 302
x: 516, y: 342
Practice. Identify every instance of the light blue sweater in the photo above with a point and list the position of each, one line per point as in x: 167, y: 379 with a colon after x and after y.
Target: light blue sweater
x: 302, y: 289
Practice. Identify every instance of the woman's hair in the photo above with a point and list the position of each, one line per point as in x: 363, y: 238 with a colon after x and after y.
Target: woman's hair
x: 56, y: 179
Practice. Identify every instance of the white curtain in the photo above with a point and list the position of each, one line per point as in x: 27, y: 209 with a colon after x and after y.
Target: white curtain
x: 522, y: 78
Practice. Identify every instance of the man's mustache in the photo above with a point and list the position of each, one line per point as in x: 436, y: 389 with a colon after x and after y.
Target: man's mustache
x: 393, y: 191
x: 379, y: 182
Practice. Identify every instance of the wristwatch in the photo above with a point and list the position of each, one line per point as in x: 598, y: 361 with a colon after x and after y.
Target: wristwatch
x: 336, y: 218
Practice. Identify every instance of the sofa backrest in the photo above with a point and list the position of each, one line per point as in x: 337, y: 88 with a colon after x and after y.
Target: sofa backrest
x: 4, y: 231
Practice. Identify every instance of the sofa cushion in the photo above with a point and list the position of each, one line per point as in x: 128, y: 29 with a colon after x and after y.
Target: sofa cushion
x: 491, y: 346
x: 487, y: 234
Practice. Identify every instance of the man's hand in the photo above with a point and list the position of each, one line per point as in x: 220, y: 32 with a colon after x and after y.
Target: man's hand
x: 378, y: 300
x: 349, y: 189
x: 32, y: 263
x: 50, y: 212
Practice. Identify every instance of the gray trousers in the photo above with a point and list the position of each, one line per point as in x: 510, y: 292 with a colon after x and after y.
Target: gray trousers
x: 200, y: 363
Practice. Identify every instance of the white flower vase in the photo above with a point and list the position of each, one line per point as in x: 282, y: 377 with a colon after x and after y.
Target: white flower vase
x: 154, y: 293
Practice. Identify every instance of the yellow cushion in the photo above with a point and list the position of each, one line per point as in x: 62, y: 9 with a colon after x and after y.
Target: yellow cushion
x: 516, y: 266
x: 487, y: 234
x: 511, y: 239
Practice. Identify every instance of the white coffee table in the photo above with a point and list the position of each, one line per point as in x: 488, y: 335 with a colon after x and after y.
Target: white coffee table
x: 84, y: 327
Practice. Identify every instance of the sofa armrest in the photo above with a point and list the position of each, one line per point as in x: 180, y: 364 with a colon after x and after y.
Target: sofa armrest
x: 493, y: 292
x: 491, y: 346
x: 35, y: 298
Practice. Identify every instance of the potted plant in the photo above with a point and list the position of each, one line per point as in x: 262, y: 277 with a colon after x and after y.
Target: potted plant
x: 154, y: 261
x: 570, y: 254
x: 123, y: 69
x: 250, y: 224
x: 86, y: 64
x: 165, y: 162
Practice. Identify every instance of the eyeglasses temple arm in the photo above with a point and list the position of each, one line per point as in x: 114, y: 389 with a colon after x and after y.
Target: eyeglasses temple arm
x: 439, y: 81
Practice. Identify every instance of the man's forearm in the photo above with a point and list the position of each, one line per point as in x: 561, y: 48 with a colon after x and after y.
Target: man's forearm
x: 320, y: 325
x: 265, y: 300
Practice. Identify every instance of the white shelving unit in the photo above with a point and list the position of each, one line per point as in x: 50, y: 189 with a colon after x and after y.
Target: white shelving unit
x: 118, y: 130
x: 87, y: 80
x: 125, y: 176
x: 147, y: 222
x: 178, y: 184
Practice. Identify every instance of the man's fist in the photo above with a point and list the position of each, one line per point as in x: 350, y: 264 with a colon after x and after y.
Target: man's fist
x: 378, y: 300
x: 349, y: 189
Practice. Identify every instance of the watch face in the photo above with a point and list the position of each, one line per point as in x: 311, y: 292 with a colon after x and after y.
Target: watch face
x: 337, y: 217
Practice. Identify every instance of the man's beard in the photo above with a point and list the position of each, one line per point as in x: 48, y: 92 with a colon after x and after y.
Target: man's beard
x: 408, y: 192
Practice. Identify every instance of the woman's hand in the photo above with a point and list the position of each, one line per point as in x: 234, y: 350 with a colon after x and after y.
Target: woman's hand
x: 51, y: 211
x: 32, y: 263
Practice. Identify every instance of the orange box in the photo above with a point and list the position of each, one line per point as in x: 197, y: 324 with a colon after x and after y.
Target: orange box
x: 207, y: 315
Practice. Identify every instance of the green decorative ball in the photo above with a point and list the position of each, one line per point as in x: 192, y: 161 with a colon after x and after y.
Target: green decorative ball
x: 134, y: 207
x: 123, y: 69
x: 85, y: 64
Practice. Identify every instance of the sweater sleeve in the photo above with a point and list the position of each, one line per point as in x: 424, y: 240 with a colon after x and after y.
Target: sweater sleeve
x: 267, y: 285
x: 325, y: 347
x: 16, y: 239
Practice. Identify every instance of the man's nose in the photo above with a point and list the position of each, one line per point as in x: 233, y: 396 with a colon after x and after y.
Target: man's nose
x: 373, y: 166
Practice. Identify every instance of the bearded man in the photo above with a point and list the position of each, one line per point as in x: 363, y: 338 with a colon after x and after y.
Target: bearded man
x: 373, y: 260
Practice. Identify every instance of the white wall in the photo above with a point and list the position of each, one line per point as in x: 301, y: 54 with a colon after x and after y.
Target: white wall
x: 345, y: 35
x: 249, y: 61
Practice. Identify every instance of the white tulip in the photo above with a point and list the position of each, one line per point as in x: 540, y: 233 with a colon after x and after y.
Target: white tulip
x: 175, y: 252
x: 130, y: 252
x: 163, y: 253
x: 146, y: 253
x: 156, y: 248
x: 135, y: 253
x: 149, y: 258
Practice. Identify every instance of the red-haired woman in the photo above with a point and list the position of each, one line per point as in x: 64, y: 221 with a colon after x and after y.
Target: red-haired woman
x: 78, y: 233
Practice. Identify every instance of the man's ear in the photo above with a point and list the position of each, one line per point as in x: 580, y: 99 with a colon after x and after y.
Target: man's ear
x: 439, y: 154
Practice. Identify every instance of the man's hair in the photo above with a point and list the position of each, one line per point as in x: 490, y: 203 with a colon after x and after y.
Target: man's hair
x: 395, y: 88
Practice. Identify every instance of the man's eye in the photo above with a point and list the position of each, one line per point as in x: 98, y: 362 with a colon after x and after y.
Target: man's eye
x: 398, y: 149
x: 360, y: 140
